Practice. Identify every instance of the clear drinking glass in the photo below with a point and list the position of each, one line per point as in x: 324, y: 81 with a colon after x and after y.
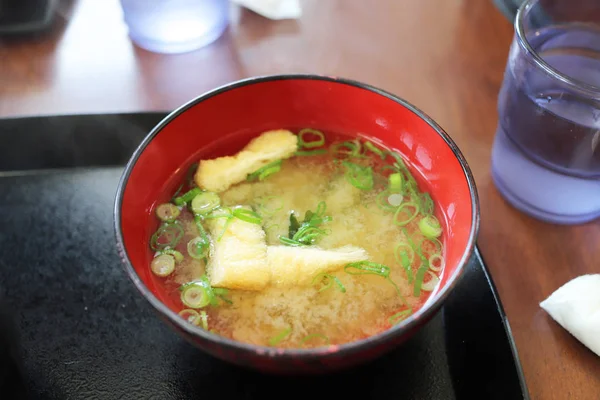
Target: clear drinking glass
x: 546, y: 154
x: 175, y: 26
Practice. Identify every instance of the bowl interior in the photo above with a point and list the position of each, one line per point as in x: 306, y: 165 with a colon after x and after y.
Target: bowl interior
x: 223, y: 121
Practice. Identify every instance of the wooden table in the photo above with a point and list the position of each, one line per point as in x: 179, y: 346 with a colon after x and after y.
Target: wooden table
x: 447, y: 57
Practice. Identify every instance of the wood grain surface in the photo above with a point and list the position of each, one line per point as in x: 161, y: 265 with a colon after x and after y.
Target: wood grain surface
x: 445, y: 56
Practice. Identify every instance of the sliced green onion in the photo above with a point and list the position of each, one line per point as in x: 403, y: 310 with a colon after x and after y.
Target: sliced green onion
x: 430, y: 226
x: 426, y: 204
x: 407, y: 215
x: 247, y: 215
x: 290, y: 242
x: 399, y: 317
x: 431, y: 283
x: 395, y: 182
x: 405, y: 256
x: 308, y: 153
x: 198, y: 219
x: 195, y: 296
x: 436, y: 262
x: 227, y: 222
x: 205, y: 202
x: 359, y: 176
x: 372, y: 268
x: 262, y: 205
x: 222, y: 293
x: 308, y: 234
x: 434, y: 242
x: 204, y: 319
x: 224, y: 212
x: 347, y: 149
x: 400, y: 166
x: 187, y: 197
x: 177, y: 192
x: 367, y: 267
x: 167, y: 212
x: 328, y: 281
x: 191, y: 316
x: 204, y: 285
x: 383, y: 202
x: 198, y: 248
x: 320, y: 141
x: 163, y: 265
x: 314, y: 336
x: 168, y: 235
x: 202, y: 238
x: 370, y: 146
x: 171, y: 252
x: 280, y: 337
x: 264, y: 172
x: 419, y: 279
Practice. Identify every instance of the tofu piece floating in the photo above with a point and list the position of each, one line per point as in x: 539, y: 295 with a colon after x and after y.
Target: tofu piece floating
x: 291, y: 266
x: 239, y: 259
x: 218, y: 174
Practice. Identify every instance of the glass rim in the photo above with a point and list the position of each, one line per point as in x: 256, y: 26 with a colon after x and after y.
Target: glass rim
x: 539, y: 61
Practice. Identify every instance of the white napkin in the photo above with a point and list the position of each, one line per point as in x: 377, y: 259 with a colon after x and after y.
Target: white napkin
x: 273, y: 9
x: 576, y: 307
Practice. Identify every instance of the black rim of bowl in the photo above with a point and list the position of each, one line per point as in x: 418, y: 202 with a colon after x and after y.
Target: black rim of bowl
x: 357, y: 346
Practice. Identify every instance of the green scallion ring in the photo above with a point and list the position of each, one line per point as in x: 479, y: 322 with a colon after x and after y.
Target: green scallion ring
x: 311, y: 144
x: 187, y: 197
x: 430, y: 285
x: 163, y: 265
x: 167, y: 212
x: 172, y: 252
x: 395, y: 182
x: 433, y: 259
x: 430, y: 226
x: 198, y: 248
x: 204, y: 319
x: 399, y: 317
x: 374, y: 149
x: 410, y: 217
x: 265, y: 171
x: 191, y: 316
x: 205, y: 202
x: 168, y: 235
x: 195, y: 296
x: 247, y: 215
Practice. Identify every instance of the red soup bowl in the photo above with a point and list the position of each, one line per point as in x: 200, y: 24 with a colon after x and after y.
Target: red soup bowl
x: 222, y: 121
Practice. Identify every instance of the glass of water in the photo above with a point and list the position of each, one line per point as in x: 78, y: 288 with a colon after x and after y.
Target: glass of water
x: 546, y: 154
x: 175, y: 26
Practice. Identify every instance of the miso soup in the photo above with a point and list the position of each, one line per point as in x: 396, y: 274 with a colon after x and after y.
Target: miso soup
x: 298, y: 241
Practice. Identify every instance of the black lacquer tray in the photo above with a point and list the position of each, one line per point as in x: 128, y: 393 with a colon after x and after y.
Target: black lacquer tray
x: 74, y: 327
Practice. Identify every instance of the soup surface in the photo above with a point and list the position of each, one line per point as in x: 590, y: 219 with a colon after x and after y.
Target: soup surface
x: 352, y: 246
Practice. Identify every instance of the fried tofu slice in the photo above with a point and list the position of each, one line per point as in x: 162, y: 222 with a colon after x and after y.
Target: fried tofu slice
x: 238, y: 260
x: 219, y: 174
x: 291, y: 266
